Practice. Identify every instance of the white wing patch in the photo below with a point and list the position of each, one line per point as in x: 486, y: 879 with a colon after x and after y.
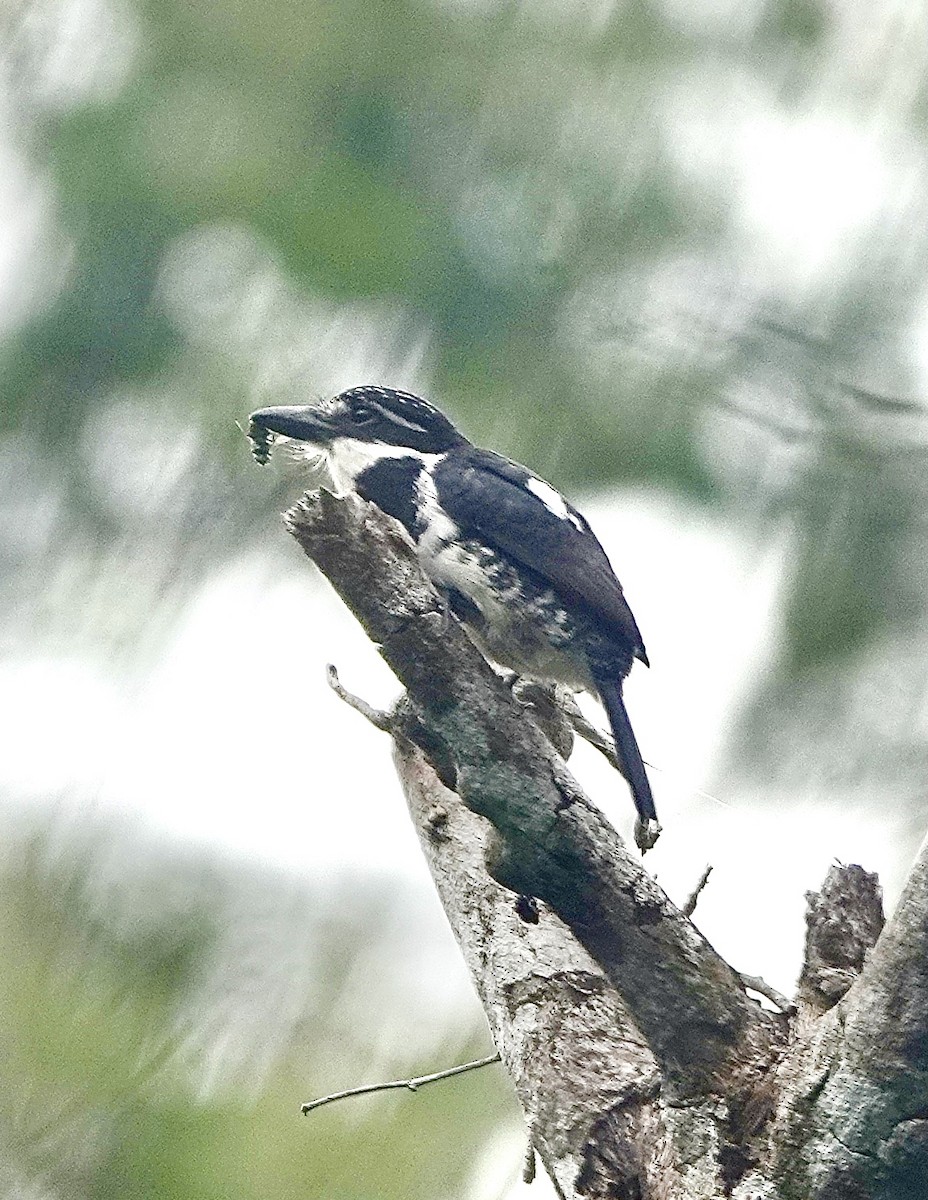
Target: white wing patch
x: 552, y: 499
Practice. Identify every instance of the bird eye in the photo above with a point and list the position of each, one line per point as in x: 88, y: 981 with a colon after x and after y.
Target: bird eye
x: 362, y: 414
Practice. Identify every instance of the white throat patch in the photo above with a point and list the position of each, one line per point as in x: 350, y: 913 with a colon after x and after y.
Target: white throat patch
x: 347, y: 458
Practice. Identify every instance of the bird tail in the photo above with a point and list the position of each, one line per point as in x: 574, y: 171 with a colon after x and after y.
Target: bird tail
x: 626, y: 747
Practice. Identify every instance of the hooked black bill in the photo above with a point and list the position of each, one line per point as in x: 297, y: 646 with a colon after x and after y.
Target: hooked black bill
x: 520, y: 566
x: 294, y: 421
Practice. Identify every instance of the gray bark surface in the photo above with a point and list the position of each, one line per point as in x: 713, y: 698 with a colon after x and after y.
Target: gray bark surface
x: 644, y: 1070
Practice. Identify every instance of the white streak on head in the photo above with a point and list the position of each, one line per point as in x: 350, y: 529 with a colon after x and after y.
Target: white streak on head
x: 394, y: 417
x: 552, y: 499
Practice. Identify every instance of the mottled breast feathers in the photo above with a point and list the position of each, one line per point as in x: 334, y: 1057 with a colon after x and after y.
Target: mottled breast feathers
x: 557, y: 544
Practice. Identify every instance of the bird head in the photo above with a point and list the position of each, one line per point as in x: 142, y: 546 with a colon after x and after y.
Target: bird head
x: 374, y: 416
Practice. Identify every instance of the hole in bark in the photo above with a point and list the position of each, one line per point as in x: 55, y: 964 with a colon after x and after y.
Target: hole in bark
x: 734, y: 1163
x: 527, y: 909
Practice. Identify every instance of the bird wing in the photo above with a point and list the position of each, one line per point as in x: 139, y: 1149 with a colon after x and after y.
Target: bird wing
x: 509, y: 508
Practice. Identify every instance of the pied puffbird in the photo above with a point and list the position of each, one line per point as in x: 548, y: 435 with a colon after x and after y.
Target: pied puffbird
x: 515, y: 561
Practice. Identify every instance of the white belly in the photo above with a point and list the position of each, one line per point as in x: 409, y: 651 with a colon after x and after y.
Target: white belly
x: 504, y: 634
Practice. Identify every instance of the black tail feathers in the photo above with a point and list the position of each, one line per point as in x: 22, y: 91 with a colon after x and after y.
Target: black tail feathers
x: 627, y: 750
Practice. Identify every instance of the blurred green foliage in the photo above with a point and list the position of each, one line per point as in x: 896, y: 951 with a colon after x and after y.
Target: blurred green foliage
x: 107, y: 1025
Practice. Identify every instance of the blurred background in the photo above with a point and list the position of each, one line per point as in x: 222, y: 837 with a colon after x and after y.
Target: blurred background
x: 671, y: 253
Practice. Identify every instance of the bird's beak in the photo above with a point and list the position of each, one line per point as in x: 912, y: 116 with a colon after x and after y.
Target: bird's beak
x: 300, y: 421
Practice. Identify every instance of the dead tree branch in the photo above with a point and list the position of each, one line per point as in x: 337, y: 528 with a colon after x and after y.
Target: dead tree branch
x: 689, y: 904
x: 551, y: 844
x: 644, y: 1070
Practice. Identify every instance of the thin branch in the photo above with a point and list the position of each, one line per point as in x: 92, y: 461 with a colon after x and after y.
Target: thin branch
x: 377, y: 717
x: 411, y: 1085
x: 646, y: 831
x: 754, y: 982
x: 763, y: 988
x: 529, y: 1163
x: 689, y: 905
x: 585, y: 728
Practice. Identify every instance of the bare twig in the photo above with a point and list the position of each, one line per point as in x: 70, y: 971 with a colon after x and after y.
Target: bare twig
x: 411, y: 1085
x: 689, y: 905
x: 604, y: 743
x: 528, y: 1166
x: 585, y: 728
x: 378, y: 718
x: 763, y: 988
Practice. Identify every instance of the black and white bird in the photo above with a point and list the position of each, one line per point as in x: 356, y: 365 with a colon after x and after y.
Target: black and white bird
x: 518, y: 564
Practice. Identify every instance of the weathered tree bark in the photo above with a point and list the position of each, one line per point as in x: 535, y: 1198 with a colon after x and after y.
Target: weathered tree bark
x: 644, y: 1069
